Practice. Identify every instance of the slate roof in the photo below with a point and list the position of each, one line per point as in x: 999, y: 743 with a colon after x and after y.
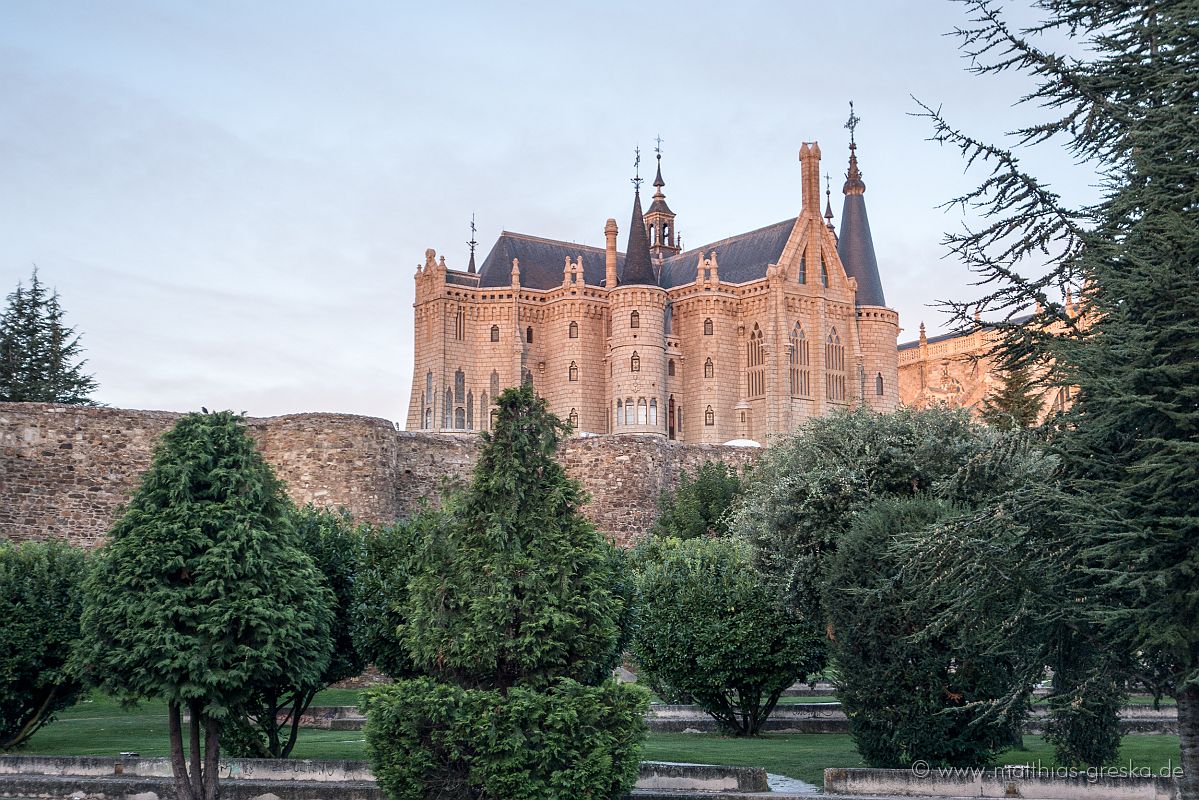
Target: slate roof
x: 541, y: 261
x: 941, y: 337
x: 856, y: 248
x: 740, y: 258
x: 638, y: 268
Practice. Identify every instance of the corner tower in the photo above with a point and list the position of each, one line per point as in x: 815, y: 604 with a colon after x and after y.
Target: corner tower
x: 878, y: 326
x: 637, y: 344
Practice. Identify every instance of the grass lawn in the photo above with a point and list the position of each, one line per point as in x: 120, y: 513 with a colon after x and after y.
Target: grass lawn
x: 99, y: 726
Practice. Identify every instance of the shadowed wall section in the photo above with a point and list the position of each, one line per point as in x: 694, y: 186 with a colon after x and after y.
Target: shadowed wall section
x: 65, y: 470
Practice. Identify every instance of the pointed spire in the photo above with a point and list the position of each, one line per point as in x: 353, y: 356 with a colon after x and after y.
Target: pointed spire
x: 828, y: 202
x: 470, y: 268
x: 637, y: 266
x: 855, y: 244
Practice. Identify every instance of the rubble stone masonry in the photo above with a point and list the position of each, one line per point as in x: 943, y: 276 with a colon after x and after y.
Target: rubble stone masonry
x: 66, y: 470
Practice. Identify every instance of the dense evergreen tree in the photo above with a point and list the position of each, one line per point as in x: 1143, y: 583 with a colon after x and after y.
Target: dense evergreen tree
x: 202, y: 594
x: 514, y: 624
x: 40, y: 602
x: 700, y: 504
x: 39, y: 354
x: 1126, y: 107
x: 1016, y: 403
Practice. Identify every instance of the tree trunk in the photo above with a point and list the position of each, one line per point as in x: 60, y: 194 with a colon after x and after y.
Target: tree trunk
x: 197, y: 769
x: 212, y: 759
x: 1188, y: 739
x: 183, y: 787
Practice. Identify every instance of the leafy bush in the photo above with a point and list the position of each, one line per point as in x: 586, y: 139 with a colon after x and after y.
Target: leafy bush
x: 700, y: 504
x: 270, y: 722
x: 40, y: 604
x: 907, y: 698
x: 708, y: 626
x: 512, y: 620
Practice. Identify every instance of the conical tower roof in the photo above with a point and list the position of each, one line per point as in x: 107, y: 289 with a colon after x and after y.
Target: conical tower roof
x: 637, y: 266
x: 855, y: 245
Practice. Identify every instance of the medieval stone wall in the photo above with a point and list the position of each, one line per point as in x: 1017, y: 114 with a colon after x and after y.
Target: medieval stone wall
x: 65, y: 470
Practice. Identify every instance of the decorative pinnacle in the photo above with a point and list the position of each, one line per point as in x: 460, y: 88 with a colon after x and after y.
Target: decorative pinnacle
x: 637, y: 169
x: 828, y: 199
x: 851, y: 124
x: 658, y: 182
x: 853, y: 178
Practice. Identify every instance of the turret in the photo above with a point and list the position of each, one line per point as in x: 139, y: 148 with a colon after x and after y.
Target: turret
x: 659, y: 221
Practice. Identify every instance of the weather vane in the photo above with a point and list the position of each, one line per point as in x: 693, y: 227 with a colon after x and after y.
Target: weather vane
x: 473, y: 231
x: 637, y: 167
x: 852, y: 123
x: 658, y: 146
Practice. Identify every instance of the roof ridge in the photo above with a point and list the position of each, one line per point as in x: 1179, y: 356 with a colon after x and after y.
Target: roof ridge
x: 530, y: 237
x: 790, y: 221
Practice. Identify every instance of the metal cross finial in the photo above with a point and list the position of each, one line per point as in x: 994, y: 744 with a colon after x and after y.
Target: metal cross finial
x: 658, y: 146
x: 473, y: 231
x: 637, y: 167
x: 852, y: 123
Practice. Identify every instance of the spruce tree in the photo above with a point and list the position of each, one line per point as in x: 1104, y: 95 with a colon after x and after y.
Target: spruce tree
x: 1015, y: 404
x: 1125, y: 107
x: 513, y: 626
x: 39, y: 353
x: 202, y: 596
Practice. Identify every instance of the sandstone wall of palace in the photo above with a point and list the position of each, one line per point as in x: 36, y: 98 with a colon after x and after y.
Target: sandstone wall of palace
x: 66, y: 470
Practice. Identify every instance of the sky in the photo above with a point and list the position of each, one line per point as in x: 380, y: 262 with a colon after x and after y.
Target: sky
x: 231, y: 197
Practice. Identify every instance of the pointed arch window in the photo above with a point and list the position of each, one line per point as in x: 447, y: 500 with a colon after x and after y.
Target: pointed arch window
x: 834, y: 368
x: 428, y: 418
x: 878, y: 384
x: 823, y: 272
x: 755, y: 361
x: 630, y: 412
x: 460, y: 418
x: 708, y: 326
x: 484, y: 417
x: 495, y: 383
x: 529, y: 335
x: 798, y: 358
x: 635, y: 363
x: 447, y: 409
x: 670, y: 368
x: 653, y: 411
x: 678, y: 420
x: 459, y: 385
x: 709, y: 369
x: 574, y: 419
x: 573, y: 372
x: 619, y: 412
x: 573, y: 330
x: 470, y: 411
x: 429, y: 388
x: 803, y: 269
x: 642, y: 411
x: 709, y: 416
x: 460, y: 324
x: 634, y: 320
x: 495, y: 333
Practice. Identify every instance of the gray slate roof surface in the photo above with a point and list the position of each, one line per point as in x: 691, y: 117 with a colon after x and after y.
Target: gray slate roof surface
x: 739, y: 258
x: 541, y: 261
x: 856, y: 248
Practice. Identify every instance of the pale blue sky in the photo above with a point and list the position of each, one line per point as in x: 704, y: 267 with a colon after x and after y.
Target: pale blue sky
x: 232, y: 197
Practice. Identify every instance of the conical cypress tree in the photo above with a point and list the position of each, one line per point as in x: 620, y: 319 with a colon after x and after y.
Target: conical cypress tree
x: 514, y: 623
x: 201, y: 594
x: 39, y: 354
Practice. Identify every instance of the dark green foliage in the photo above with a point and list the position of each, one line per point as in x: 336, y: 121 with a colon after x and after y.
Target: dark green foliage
x: 268, y: 726
x: 808, y: 486
x: 381, y: 597
x: 907, y: 699
x: 40, y: 603
x: 512, y: 618
x: 1015, y: 404
x: 428, y: 739
x: 700, y: 504
x: 203, y: 594
x: 710, y: 627
x: 38, y: 352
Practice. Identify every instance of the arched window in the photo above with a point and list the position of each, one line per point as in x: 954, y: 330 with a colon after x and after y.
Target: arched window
x: 678, y: 420
x: 573, y: 330
x: 428, y: 418
x: 803, y: 269
x: 429, y: 389
x: 460, y: 324
x: 755, y: 360
x: 574, y: 418
x: 823, y: 272
x: 709, y: 370
x: 642, y: 413
x: 495, y: 383
x: 653, y: 411
x: 634, y: 320
x: 447, y: 410
x: 459, y: 386
x: 619, y: 411
x: 670, y: 368
x: 470, y: 411
x: 573, y: 373
x: 635, y: 363
x: 460, y: 418
x: 798, y: 360
x: 708, y: 326
x: 495, y: 333
x: 484, y: 417
x: 529, y: 334
x: 834, y: 366
x: 630, y: 412
x: 878, y: 384
x: 709, y: 416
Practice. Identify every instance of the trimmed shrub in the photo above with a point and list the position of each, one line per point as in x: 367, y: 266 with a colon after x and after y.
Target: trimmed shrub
x: 709, y: 627
x: 41, y: 599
